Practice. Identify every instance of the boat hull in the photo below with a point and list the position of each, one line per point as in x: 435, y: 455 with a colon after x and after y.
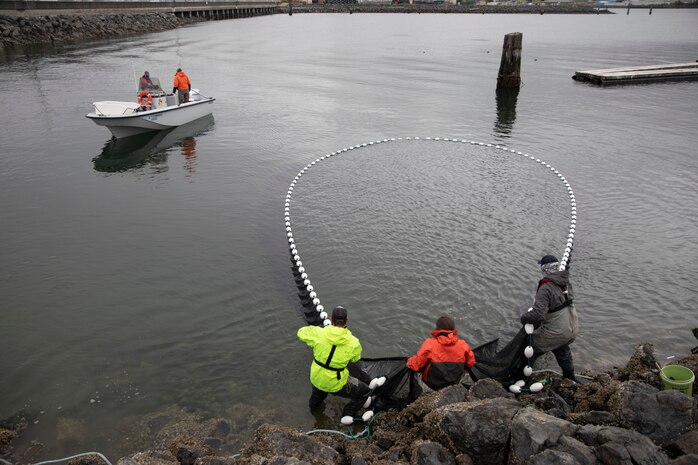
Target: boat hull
x: 153, y: 120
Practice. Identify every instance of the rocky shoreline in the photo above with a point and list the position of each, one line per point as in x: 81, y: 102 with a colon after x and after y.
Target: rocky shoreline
x: 28, y: 30
x: 620, y: 417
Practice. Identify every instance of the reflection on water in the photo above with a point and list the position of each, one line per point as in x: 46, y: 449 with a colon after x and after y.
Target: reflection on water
x: 506, y: 111
x: 151, y: 148
x: 189, y: 152
x: 129, y: 152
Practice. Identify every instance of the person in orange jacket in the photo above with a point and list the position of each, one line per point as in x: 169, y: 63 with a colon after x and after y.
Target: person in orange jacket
x: 181, y: 85
x: 443, y: 357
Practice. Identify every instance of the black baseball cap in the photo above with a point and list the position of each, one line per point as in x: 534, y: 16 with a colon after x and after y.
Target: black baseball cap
x: 548, y: 259
x: 339, y: 315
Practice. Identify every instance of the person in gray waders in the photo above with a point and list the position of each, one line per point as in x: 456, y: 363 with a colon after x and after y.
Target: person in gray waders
x: 553, y: 316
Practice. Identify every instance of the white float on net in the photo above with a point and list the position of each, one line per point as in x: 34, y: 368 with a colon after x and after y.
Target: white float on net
x: 528, y: 351
x: 536, y: 387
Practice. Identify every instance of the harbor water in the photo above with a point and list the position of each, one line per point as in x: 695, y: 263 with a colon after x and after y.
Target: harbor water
x: 145, y: 278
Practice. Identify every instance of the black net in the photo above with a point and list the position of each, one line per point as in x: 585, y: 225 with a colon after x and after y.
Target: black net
x: 400, y: 387
x: 504, y: 365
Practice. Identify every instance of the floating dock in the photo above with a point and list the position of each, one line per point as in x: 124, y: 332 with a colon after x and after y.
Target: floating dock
x: 639, y: 74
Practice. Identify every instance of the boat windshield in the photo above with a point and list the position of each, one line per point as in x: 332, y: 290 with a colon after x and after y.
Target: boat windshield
x: 152, y: 85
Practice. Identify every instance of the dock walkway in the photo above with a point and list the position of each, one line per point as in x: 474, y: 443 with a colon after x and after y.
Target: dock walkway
x: 640, y: 74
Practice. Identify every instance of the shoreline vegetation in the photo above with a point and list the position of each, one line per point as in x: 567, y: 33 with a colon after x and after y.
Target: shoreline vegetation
x: 37, y: 27
x: 618, y: 417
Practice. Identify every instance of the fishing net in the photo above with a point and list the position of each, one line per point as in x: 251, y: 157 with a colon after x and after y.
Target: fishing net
x: 505, y: 364
x: 402, y: 386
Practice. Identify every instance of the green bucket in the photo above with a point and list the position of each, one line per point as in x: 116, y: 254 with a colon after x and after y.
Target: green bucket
x: 678, y: 378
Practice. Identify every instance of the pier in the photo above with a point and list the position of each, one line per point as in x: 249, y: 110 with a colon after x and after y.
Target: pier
x: 207, y: 10
x: 639, y: 74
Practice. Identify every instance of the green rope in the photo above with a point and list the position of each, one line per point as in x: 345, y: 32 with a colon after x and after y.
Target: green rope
x: 72, y: 457
x: 366, y: 432
x: 331, y: 431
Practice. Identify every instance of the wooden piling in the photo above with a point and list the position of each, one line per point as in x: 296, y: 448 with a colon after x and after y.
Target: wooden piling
x: 510, y: 67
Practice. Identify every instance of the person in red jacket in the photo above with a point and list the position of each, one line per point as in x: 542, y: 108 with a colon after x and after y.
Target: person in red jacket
x: 443, y: 357
x: 181, y: 85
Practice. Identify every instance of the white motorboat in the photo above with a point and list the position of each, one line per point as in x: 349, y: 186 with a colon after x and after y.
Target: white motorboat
x: 154, y: 111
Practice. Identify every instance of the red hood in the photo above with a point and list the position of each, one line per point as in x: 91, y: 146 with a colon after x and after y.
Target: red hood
x: 445, y: 337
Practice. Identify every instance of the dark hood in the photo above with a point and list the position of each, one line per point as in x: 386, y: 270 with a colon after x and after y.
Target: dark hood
x: 561, y: 278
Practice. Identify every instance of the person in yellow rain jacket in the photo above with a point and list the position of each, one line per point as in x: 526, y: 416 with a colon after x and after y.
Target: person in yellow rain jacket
x: 335, y: 353
x: 181, y: 85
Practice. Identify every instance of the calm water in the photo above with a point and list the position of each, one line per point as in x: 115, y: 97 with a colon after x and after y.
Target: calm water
x: 153, y: 275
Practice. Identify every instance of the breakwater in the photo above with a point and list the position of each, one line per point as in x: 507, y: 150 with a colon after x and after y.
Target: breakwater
x: 25, y: 30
